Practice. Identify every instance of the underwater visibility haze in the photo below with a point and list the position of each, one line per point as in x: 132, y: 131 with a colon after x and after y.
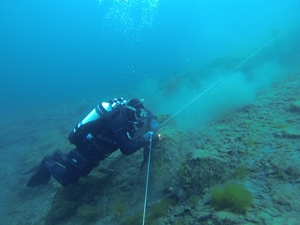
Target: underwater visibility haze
x: 58, y: 59
x: 54, y: 50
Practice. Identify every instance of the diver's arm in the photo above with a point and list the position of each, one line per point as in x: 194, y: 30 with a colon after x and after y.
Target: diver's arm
x: 126, y: 143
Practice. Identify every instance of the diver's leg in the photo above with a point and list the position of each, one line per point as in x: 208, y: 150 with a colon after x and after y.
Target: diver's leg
x: 76, y: 165
x: 65, y: 176
x: 60, y: 157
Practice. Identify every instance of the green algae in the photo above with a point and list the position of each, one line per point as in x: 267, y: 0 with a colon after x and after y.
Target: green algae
x: 234, y: 197
x: 241, y: 172
x: 119, y: 209
x: 153, y: 214
x: 89, y: 213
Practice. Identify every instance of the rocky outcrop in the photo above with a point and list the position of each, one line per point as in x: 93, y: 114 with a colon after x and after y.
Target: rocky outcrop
x: 199, y: 173
x: 295, y: 106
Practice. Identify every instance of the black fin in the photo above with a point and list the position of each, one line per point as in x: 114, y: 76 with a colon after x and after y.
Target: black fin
x: 31, y: 170
x: 41, y: 176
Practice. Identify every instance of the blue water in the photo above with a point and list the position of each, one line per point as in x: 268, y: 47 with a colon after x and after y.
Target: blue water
x: 56, y: 50
x: 60, y: 52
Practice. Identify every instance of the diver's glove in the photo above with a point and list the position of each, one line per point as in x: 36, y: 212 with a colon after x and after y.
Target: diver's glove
x: 154, y: 125
x: 147, y: 136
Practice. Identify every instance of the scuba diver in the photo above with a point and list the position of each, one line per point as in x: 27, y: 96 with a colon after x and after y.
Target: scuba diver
x: 108, y: 127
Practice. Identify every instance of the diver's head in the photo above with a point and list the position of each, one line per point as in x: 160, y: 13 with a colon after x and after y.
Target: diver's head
x: 134, y: 111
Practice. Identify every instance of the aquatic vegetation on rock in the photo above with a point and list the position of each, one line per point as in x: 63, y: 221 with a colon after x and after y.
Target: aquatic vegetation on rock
x: 119, y: 209
x: 133, y: 220
x: 251, y: 141
x: 179, y: 221
x: 153, y: 213
x: 60, y: 211
x: 67, y: 200
x: 228, y: 218
x: 295, y: 106
x: 286, y: 130
x: 160, y: 209
x: 283, y: 166
x: 286, y: 196
x: 89, y: 213
x: 196, y: 174
x: 234, y: 197
x: 241, y: 172
x: 280, y: 125
x: 291, y: 132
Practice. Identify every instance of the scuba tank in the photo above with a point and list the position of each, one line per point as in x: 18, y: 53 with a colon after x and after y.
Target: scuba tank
x: 104, y: 110
x: 101, y: 109
x: 96, y: 113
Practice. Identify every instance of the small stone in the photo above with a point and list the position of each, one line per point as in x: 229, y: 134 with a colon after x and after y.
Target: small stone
x: 265, y: 217
x: 291, y: 132
x: 295, y: 106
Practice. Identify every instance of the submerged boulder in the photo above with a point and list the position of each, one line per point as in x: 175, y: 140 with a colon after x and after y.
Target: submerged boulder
x: 199, y: 173
x: 295, y: 106
x: 291, y: 132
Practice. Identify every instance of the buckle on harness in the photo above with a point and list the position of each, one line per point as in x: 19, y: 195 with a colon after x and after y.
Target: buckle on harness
x: 76, y: 159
